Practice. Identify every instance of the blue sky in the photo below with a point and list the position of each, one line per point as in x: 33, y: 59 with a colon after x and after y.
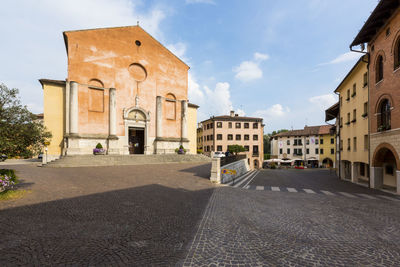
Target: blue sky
x: 280, y: 60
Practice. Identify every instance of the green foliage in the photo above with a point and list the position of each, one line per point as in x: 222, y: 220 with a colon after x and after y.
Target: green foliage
x: 99, y: 146
x: 267, y: 156
x: 20, y: 133
x: 200, y: 151
x: 236, y: 149
x: 279, y: 131
x: 181, y: 147
x: 273, y: 166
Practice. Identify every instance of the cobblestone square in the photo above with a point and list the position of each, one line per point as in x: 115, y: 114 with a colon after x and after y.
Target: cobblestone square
x: 171, y: 215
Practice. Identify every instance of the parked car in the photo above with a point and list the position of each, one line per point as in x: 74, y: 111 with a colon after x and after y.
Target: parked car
x: 219, y: 154
x: 3, y: 157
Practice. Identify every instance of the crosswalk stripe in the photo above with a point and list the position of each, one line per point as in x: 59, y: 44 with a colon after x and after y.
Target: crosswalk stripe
x: 327, y: 193
x: 309, y: 191
x: 347, y: 194
x: 367, y: 196
x: 388, y: 198
x: 259, y: 187
x: 275, y: 188
x: 291, y: 190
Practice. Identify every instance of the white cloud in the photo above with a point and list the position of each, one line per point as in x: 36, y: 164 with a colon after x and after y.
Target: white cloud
x: 200, y: 2
x: 179, y: 50
x: 240, y: 112
x: 212, y: 101
x: 276, y: 111
x: 250, y: 70
x: 260, y: 56
x: 349, y: 56
x: 323, y: 101
x: 196, y: 95
x: 42, y: 23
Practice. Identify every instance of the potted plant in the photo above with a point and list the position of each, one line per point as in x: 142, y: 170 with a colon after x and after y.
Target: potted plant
x: 99, y: 150
x: 181, y: 150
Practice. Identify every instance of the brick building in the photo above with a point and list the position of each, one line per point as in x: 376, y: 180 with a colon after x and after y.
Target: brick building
x: 381, y: 32
x: 124, y: 90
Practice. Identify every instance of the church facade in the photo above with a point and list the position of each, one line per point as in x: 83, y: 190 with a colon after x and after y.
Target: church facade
x: 124, y: 90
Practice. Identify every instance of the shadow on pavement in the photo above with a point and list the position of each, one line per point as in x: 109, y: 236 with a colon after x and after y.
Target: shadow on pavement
x: 149, y: 225
x: 203, y: 171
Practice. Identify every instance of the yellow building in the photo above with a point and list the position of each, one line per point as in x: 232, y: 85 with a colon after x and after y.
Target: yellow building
x: 192, y: 128
x: 327, y: 146
x: 54, y: 119
x: 353, y: 123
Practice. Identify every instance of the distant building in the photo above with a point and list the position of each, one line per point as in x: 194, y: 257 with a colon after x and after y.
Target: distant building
x: 221, y: 131
x: 301, y: 146
x: 381, y: 32
x: 353, y: 123
x: 327, y: 146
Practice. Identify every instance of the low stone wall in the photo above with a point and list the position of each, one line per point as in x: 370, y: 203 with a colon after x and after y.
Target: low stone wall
x: 229, y: 172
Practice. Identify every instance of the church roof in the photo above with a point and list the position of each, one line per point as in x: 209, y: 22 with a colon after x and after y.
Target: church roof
x: 111, y: 28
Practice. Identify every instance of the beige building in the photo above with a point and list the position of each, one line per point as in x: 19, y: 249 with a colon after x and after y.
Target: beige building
x: 353, y: 123
x: 221, y: 131
x: 301, y: 146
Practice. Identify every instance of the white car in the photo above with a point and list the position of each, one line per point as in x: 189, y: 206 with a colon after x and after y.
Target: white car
x: 219, y: 154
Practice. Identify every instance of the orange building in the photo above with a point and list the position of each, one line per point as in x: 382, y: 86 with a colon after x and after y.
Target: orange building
x: 124, y: 90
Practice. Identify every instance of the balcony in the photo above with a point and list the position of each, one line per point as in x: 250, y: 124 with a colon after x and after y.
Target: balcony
x: 255, y: 154
x: 353, y: 121
x: 353, y: 95
x: 348, y: 123
x: 365, y: 114
x: 348, y: 99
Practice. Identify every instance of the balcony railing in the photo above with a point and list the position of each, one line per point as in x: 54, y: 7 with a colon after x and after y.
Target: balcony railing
x: 255, y: 154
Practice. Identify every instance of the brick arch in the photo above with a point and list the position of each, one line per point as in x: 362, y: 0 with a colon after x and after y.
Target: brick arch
x: 380, y: 99
x: 379, y: 153
x: 96, y: 82
x: 396, y: 39
x: 379, y: 53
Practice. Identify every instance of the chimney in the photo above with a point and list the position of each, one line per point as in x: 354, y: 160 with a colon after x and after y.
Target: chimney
x: 232, y: 113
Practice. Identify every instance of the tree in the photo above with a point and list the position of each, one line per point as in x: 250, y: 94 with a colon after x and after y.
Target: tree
x: 235, y: 149
x: 267, y: 142
x: 20, y: 133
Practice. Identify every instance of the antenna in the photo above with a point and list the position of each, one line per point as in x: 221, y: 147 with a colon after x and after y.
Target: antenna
x: 137, y: 23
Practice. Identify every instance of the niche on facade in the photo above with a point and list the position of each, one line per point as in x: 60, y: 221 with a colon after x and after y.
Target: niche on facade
x: 138, y: 72
x: 137, y: 115
x: 170, y: 107
x: 96, y: 96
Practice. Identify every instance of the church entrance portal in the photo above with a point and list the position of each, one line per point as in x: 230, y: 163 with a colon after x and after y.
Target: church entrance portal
x: 136, y: 140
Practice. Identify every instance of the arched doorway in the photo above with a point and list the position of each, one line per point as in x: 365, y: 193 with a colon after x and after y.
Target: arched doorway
x: 256, y: 164
x: 327, y: 163
x: 136, y: 122
x: 385, y: 164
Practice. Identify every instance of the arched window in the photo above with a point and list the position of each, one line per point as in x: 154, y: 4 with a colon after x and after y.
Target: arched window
x: 170, y: 106
x: 397, y: 54
x: 379, y: 69
x: 384, y: 116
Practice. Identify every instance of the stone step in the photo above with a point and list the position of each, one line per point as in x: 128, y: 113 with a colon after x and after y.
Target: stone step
x: 114, y: 160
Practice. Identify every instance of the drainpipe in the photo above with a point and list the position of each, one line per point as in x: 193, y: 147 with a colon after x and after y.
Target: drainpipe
x: 369, y: 125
